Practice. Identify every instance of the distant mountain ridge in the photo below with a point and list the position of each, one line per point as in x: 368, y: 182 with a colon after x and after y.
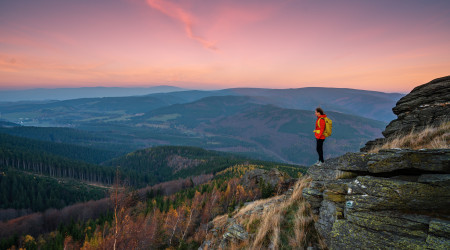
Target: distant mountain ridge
x: 370, y: 104
x: 84, y: 92
x: 256, y: 126
x: 263, y: 131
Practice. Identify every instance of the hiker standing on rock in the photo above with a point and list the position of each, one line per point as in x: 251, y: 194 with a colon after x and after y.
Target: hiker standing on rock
x: 319, y: 133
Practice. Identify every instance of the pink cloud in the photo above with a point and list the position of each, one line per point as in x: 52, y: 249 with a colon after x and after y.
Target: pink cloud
x: 178, y: 13
x: 16, y: 40
x: 38, y: 39
x: 19, y: 63
x: 232, y: 15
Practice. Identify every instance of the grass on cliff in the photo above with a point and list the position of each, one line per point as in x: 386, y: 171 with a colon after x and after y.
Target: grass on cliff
x: 289, y: 225
x: 283, y: 225
x: 430, y: 138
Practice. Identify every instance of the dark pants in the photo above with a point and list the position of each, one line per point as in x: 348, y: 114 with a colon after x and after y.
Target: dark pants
x: 319, y: 148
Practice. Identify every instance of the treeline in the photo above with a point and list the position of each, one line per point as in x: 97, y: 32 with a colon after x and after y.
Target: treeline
x: 78, y: 231
x: 170, y: 215
x: 172, y: 162
x: 157, y: 158
x: 73, y: 224
x: 50, y: 134
x: 223, y: 163
x: 139, y: 169
x: 92, y: 136
x: 58, y: 167
x: 44, y: 222
x: 43, y: 163
x: 49, y: 159
x: 74, y: 152
x: 20, y: 190
x: 54, y: 166
x: 181, y: 220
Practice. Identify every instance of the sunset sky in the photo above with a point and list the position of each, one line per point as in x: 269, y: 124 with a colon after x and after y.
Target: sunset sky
x: 389, y: 46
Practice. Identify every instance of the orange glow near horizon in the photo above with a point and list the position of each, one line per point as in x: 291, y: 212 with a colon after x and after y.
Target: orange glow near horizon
x: 224, y: 44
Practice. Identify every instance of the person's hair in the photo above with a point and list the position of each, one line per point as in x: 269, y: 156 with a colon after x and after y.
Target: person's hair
x: 320, y: 110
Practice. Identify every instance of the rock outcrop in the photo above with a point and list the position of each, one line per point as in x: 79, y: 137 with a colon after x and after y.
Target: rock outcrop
x: 279, y: 181
x: 396, y: 198
x: 393, y: 199
x: 426, y: 105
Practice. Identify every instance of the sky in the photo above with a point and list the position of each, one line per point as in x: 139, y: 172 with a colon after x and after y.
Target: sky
x: 383, y: 45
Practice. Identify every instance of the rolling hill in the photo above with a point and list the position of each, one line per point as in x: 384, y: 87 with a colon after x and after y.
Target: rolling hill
x: 369, y: 104
x: 173, y: 162
x: 236, y: 124
x: 267, y: 124
x: 37, y: 175
x: 73, y: 152
x: 69, y: 113
x: 90, y: 141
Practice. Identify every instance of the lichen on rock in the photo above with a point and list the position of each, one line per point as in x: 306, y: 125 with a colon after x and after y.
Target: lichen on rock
x: 396, y: 207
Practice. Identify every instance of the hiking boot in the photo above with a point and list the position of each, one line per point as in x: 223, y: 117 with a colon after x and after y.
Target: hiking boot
x: 317, y: 163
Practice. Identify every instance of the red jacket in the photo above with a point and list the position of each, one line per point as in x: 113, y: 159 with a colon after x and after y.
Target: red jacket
x: 320, y: 127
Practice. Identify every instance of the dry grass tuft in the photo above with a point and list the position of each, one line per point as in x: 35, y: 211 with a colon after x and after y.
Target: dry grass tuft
x: 220, y: 221
x: 253, y: 223
x: 430, y: 138
x: 280, y: 222
x: 270, y: 229
x: 270, y: 226
x: 301, y: 223
x: 254, y: 204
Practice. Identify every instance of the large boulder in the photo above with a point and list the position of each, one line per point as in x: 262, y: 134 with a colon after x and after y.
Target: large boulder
x: 369, y: 193
x: 426, y: 105
x: 273, y: 177
x: 392, y: 199
x: 235, y: 232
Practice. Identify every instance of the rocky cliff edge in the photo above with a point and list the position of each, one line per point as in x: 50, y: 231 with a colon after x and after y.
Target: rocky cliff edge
x: 426, y: 105
x: 393, y: 199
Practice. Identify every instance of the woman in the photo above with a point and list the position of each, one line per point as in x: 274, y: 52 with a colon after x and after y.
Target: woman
x: 318, y: 132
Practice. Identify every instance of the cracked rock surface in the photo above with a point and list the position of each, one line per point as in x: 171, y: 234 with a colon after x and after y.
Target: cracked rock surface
x: 426, y: 105
x: 393, y: 199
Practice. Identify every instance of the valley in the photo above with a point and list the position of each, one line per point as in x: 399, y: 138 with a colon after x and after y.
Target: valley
x: 260, y: 123
x: 164, y: 154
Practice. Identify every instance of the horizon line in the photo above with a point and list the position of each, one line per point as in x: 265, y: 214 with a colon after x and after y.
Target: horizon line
x: 192, y: 89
